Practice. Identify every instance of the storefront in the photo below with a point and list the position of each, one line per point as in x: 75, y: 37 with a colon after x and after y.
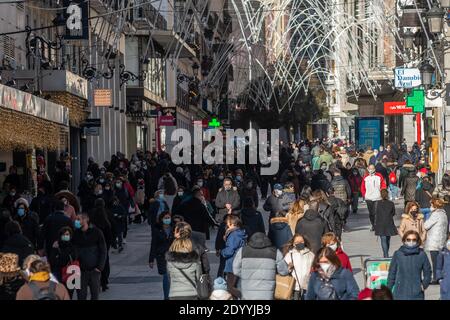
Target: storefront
x: 33, y: 132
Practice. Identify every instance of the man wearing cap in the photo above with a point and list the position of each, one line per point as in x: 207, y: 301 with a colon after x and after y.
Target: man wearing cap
x: 274, y: 203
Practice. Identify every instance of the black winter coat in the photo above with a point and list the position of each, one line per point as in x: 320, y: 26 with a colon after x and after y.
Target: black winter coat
x: 273, y: 205
x: 61, y: 256
x: 196, y: 214
x: 384, y: 219
x: 409, y: 185
x: 43, y: 205
x: 252, y: 221
x: 18, y: 244
x: 160, y: 244
x: 424, y: 194
x: 51, y: 227
x: 313, y: 227
x: 91, y: 248
x: 320, y: 182
x: 9, y: 288
x: 30, y: 227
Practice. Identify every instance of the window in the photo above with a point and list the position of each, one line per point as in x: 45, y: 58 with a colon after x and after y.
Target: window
x: 8, y: 46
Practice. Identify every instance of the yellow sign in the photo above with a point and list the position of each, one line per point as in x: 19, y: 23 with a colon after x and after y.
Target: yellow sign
x: 103, y: 98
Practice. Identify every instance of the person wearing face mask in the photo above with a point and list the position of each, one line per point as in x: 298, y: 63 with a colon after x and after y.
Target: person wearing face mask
x: 181, y: 196
x: 28, y: 222
x: 63, y: 253
x: 412, y: 219
x: 90, y: 244
x: 162, y: 238
x: 409, y: 271
x: 274, y: 203
x: 11, y: 198
x: 52, y: 225
x: 299, y: 258
x: 373, y: 183
x: 228, y: 200
x: 330, y: 240
x: 329, y: 281
x: 355, y: 181
x: 202, y: 184
x: 319, y: 181
x: 436, y: 227
x: 408, y: 182
x: 443, y: 270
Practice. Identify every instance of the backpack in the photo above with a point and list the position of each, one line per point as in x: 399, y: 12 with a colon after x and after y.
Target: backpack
x: 392, y: 177
x: 326, y: 291
x: 340, y: 191
x: 45, y: 293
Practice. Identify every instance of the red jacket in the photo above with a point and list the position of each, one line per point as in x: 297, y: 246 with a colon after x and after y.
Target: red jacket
x: 345, y: 261
x: 355, y: 183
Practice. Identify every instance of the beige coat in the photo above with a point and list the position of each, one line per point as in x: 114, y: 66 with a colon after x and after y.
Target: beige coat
x: 408, y: 223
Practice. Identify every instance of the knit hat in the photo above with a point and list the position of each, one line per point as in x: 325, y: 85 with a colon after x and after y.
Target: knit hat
x: 278, y: 187
x: 364, y: 294
x: 220, y: 284
x: 9, y: 262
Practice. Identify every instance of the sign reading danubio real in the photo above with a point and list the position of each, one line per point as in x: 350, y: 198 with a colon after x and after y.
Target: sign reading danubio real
x: 407, y: 78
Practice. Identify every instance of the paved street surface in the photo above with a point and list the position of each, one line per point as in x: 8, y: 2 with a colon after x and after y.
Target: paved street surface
x: 132, y: 279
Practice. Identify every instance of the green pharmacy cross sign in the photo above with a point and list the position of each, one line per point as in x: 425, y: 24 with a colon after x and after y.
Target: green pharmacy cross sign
x: 416, y: 100
x: 214, y: 123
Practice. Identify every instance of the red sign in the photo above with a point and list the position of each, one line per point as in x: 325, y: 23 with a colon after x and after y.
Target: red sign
x: 203, y: 123
x: 396, y: 107
x: 167, y: 121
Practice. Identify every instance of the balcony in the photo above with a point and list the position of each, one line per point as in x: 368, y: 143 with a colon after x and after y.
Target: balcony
x: 173, y: 43
x: 182, y: 98
x: 147, y: 16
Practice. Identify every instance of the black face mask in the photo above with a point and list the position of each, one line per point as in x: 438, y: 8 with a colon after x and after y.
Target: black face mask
x: 414, y: 213
x: 300, y: 246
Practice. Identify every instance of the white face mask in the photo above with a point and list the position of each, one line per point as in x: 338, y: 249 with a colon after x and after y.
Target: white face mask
x: 325, y: 266
x: 332, y: 246
x: 278, y: 193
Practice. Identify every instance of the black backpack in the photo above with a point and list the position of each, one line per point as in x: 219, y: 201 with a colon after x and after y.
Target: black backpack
x: 45, y: 293
x: 326, y: 291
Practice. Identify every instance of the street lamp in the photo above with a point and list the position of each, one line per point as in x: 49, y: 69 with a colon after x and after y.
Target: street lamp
x: 408, y: 39
x: 435, y: 19
x: 426, y: 73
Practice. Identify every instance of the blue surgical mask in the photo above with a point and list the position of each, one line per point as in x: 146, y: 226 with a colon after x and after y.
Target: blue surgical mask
x: 167, y: 221
x: 161, y: 196
x: 238, y: 178
x: 21, y: 212
x: 77, y: 224
x: 65, y: 237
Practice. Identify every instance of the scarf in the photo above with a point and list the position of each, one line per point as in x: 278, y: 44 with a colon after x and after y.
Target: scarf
x: 327, y: 275
x: 40, y: 276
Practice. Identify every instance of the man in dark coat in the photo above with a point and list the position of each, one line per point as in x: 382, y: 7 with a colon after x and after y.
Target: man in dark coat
x: 91, y: 247
x: 320, y: 181
x: 52, y: 225
x: 43, y: 204
x: 16, y: 242
x: 274, y: 202
x: 195, y: 213
x: 313, y: 227
x: 227, y: 200
x: 28, y: 222
x: 251, y: 218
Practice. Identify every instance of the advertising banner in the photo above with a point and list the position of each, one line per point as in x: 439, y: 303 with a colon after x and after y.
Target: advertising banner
x: 376, y: 271
x: 369, y: 131
x: 76, y: 13
x: 396, y: 108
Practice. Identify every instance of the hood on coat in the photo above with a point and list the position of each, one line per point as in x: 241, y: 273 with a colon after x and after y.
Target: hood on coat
x: 311, y: 214
x: 409, y: 167
x: 408, y: 216
x: 240, y: 233
x: 259, y: 240
x: 408, y: 251
x: 279, y: 220
x: 182, y: 257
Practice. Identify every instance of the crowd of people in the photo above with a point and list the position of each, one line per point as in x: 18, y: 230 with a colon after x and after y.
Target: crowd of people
x: 319, y: 185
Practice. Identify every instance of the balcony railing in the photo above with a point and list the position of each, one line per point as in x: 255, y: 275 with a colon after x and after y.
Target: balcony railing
x: 182, y: 98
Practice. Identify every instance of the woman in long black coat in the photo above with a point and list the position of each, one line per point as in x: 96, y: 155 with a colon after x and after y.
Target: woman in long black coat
x: 384, y: 221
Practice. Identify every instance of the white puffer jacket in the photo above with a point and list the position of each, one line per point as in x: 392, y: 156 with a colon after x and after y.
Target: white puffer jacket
x: 436, y: 227
x: 302, y: 263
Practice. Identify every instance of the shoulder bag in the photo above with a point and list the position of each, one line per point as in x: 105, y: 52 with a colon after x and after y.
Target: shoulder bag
x: 284, y: 286
x: 64, y: 272
x: 203, y: 285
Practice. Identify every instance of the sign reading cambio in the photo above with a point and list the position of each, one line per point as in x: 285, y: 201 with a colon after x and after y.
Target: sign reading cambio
x: 103, y: 98
x: 407, y: 78
x: 396, y: 107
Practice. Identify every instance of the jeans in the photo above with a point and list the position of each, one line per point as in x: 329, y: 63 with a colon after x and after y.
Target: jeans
x: 89, y: 279
x: 166, y: 286
x: 355, y: 199
x: 371, y: 206
x: 426, y: 212
x: 393, y: 191
x: 385, y: 243
x: 434, y: 256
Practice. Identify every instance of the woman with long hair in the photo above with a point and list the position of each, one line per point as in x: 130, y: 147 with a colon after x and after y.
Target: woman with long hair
x: 299, y: 257
x: 412, y: 219
x: 184, y: 268
x: 444, y: 188
x: 295, y: 213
